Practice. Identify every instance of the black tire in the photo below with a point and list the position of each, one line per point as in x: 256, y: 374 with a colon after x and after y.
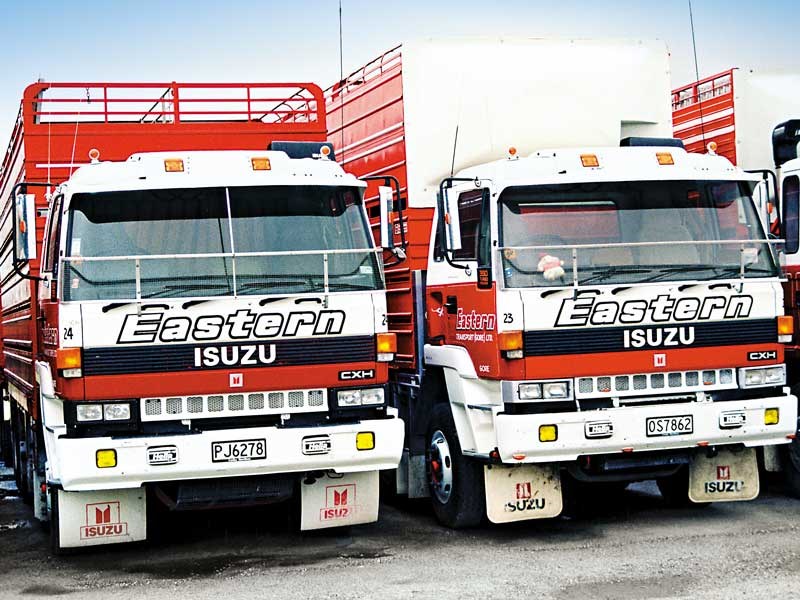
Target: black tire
x: 675, y: 490
x: 465, y: 501
x: 791, y: 468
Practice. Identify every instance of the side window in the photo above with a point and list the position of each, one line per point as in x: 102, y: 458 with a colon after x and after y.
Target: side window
x: 53, y: 234
x: 791, y: 212
x: 474, y: 219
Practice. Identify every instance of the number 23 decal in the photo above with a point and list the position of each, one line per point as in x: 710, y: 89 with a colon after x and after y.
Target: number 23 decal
x: 508, y: 318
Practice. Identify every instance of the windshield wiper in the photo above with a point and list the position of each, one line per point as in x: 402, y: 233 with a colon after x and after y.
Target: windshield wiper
x: 169, y: 290
x: 610, y: 271
x: 718, y: 271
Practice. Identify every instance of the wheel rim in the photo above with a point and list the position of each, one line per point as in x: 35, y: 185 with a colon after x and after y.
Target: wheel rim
x: 441, y: 467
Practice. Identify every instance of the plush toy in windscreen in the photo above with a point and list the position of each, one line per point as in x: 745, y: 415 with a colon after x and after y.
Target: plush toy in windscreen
x: 551, y: 267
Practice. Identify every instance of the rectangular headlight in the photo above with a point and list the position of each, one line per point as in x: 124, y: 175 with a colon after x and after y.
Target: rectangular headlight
x: 774, y: 375
x: 372, y: 397
x: 556, y: 389
x: 530, y: 391
x: 348, y: 397
x: 117, y: 412
x: 89, y: 412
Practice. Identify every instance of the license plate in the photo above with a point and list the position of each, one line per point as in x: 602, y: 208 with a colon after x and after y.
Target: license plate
x: 240, y: 450
x: 657, y: 426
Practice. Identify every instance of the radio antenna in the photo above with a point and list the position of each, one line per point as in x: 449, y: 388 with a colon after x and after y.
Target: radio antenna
x: 341, y: 89
x: 697, y: 75
x: 455, y: 145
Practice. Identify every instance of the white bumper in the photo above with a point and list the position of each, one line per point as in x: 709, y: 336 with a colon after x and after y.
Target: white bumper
x: 73, y: 464
x: 518, y: 435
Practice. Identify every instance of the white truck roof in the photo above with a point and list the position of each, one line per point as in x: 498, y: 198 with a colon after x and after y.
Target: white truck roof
x: 208, y: 169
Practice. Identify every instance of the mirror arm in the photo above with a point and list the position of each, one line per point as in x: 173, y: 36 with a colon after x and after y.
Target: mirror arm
x: 765, y: 175
x: 16, y: 265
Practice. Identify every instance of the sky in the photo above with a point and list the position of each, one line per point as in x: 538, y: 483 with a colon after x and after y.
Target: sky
x: 271, y: 40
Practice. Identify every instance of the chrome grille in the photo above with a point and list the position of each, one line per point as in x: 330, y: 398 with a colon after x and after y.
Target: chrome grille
x: 649, y: 383
x: 239, y: 404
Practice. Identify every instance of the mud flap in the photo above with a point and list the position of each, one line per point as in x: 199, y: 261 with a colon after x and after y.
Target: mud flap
x: 521, y: 493
x: 336, y: 500
x: 726, y: 477
x: 102, y: 517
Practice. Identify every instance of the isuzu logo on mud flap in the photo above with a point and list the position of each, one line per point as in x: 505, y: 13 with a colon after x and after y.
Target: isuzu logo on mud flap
x: 152, y: 326
x: 526, y: 499
x: 723, y: 484
x: 661, y: 309
x: 339, y: 502
x: 103, y: 520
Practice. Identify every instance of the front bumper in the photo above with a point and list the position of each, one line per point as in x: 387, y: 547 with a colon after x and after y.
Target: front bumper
x: 518, y: 435
x: 73, y: 464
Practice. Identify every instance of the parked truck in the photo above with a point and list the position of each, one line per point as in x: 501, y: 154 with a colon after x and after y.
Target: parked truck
x: 194, y: 311
x: 581, y: 299
x: 753, y: 119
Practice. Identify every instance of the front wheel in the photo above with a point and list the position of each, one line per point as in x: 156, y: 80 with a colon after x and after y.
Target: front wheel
x: 456, y: 482
x: 791, y: 468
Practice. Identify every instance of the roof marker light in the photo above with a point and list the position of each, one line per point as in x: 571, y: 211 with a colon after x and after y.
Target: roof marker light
x: 512, y: 153
x: 94, y: 156
x: 325, y: 152
x: 665, y: 158
x: 173, y: 165
x: 589, y: 160
x: 711, y: 147
x: 260, y: 163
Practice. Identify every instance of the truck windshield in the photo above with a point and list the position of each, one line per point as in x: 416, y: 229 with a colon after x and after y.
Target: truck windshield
x: 631, y: 232
x: 197, y: 242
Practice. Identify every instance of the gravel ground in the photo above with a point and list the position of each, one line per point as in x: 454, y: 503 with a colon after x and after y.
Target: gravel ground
x: 627, y: 546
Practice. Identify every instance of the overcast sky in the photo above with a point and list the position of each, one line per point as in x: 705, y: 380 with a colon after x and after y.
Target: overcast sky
x: 271, y: 40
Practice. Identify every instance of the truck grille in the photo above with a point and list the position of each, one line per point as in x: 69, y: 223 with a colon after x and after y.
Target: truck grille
x: 676, y: 382
x: 233, y: 405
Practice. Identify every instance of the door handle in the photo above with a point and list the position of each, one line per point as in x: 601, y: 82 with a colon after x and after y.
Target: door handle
x: 451, y: 305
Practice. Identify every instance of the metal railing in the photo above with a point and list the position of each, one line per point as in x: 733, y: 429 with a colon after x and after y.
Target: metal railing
x: 507, y: 254
x: 219, y: 273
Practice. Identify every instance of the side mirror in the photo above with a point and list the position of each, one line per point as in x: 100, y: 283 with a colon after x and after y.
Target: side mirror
x: 385, y: 196
x: 452, y: 225
x: 24, y: 227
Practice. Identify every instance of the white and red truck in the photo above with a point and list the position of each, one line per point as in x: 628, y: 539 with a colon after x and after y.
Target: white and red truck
x: 194, y: 312
x: 582, y: 299
x: 752, y: 118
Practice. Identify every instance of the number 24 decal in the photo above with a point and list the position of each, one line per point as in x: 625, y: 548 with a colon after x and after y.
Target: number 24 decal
x: 67, y: 333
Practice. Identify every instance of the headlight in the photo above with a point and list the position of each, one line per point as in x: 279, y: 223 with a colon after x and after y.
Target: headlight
x: 530, y: 391
x: 90, y: 412
x: 362, y: 397
x: 117, y: 412
x: 372, y: 397
x: 762, y: 376
x: 774, y: 375
x: 558, y: 389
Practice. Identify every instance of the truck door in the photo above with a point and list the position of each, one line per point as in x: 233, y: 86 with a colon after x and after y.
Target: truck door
x: 470, y: 314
